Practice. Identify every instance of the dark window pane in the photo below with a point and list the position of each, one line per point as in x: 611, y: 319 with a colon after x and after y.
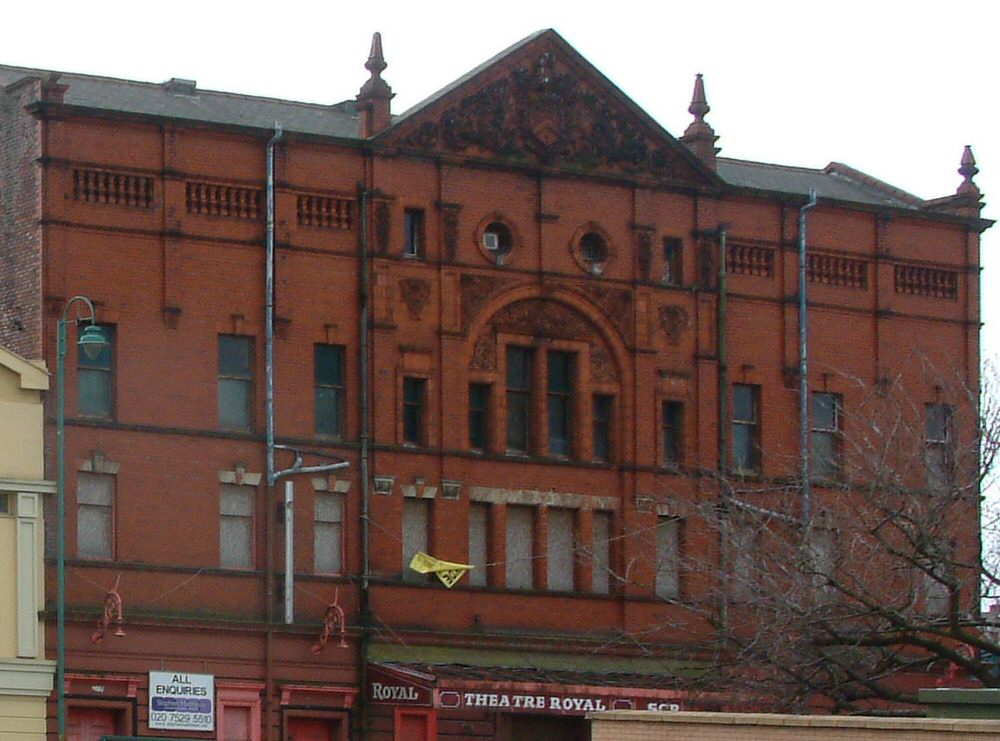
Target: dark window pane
x: 234, y: 356
x: 744, y: 408
x: 746, y: 429
x: 497, y: 238
x: 672, y: 420
x: 593, y: 250
x: 603, y: 406
x: 518, y: 399
x: 329, y: 365
x: 671, y: 261
x: 518, y: 422
x: 559, y: 402
x: 479, y: 396
x: 559, y: 424
x: 413, y: 410
x: 560, y: 372
x: 413, y: 232
x: 329, y: 389
x: 519, y: 368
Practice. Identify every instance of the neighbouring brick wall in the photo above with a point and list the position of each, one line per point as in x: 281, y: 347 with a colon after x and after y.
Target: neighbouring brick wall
x: 20, y: 229
x: 643, y: 726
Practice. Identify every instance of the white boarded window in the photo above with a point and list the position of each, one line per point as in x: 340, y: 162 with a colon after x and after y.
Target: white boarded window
x: 601, y: 553
x: 668, y: 532
x: 936, y: 597
x: 479, y: 518
x: 520, y: 547
x: 95, y: 497
x: 560, y: 550
x: 236, y: 527
x: 416, y: 518
x: 745, y: 567
x: 822, y: 560
x: 328, y: 534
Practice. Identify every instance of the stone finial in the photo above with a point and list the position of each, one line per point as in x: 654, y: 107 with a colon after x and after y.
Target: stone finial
x: 376, y: 61
x: 699, y: 137
x: 373, y: 99
x: 699, y: 105
x: 968, y: 171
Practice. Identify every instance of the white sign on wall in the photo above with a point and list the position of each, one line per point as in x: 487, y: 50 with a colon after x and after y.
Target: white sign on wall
x: 182, y: 702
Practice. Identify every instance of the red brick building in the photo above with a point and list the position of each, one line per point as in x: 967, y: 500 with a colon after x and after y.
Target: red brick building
x: 502, y: 310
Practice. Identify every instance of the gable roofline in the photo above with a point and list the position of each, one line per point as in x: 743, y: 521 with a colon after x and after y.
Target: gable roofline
x: 471, y: 74
x: 582, y: 63
x: 836, y: 181
x: 184, y: 102
x: 850, y: 173
x: 33, y: 375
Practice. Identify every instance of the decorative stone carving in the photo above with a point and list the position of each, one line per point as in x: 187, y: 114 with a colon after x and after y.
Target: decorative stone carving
x: 484, y: 354
x: 415, y: 293
x: 541, y: 318
x: 602, y: 368
x: 449, y: 218
x: 542, y: 112
x: 383, y: 227
x: 674, y: 320
x: 476, y: 291
x: 617, y: 306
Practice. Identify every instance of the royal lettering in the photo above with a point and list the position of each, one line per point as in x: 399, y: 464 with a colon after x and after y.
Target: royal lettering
x: 388, y: 692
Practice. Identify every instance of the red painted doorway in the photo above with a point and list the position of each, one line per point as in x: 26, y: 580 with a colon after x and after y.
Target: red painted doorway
x: 415, y: 725
x: 314, y: 729
x: 89, y: 724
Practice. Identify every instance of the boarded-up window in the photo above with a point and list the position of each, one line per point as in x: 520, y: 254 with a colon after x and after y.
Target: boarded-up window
x: 479, y: 513
x: 601, y: 552
x: 560, y: 550
x: 236, y: 527
x: 416, y: 518
x: 520, y: 547
x: 328, y: 547
x: 95, y: 497
x: 668, y: 558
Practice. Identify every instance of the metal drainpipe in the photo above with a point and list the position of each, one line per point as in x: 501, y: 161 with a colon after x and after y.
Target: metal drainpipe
x: 804, y: 361
x: 269, y: 413
x: 723, y: 432
x: 364, y: 370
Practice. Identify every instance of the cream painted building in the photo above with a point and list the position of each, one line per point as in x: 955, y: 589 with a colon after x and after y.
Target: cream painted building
x: 25, y: 674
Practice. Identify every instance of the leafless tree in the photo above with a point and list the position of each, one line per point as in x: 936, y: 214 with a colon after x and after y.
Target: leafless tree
x: 851, y: 604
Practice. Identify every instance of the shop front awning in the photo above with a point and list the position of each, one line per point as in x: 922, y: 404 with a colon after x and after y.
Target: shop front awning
x: 450, y: 678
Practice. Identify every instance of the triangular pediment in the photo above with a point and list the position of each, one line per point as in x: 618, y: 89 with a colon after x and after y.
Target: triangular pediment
x: 540, y: 103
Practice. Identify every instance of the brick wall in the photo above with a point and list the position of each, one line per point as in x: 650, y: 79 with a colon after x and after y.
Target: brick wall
x: 643, y: 726
x: 20, y: 230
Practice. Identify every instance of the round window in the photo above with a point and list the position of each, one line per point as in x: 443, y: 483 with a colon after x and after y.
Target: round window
x: 593, y: 251
x: 497, y: 239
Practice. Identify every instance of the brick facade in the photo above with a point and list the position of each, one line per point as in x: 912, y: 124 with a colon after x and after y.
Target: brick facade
x: 155, y: 208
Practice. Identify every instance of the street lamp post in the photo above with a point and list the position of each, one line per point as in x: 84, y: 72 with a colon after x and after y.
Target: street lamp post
x: 91, y: 340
